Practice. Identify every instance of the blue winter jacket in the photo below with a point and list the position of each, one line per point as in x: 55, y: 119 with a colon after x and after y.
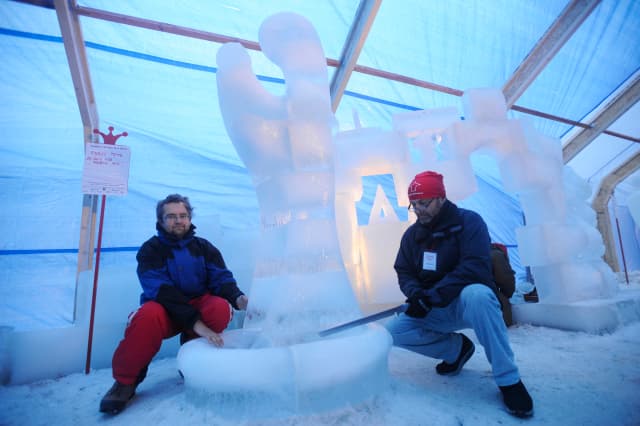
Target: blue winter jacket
x: 460, y: 239
x: 174, y: 271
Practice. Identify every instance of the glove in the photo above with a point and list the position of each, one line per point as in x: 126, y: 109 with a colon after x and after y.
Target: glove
x: 419, y: 306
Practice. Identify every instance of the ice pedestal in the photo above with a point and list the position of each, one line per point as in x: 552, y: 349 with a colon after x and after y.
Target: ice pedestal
x: 250, y: 377
x: 590, y: 316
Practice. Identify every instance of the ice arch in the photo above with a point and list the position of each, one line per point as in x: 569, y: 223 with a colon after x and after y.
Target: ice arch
x: 300, y: 285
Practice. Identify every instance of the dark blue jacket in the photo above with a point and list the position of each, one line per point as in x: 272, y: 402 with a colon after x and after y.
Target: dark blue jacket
x: 172, y: 272
x: 461, y: 241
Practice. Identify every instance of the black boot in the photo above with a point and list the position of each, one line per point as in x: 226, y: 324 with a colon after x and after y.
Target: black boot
x: 117, y: 398
x: 517, y: 400
x: 446, y: 369
x: 142, y: 375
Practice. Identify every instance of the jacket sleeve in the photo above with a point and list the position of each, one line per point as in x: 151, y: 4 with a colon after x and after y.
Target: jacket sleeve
x: 474, y: 265
x: 503, y: 275
x: 158, y: 286
x: 220, y: 279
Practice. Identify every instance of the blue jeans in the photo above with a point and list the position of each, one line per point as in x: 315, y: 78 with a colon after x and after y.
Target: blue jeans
x: 478, y: 308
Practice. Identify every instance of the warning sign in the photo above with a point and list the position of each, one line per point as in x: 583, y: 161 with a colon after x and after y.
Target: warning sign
x: 106, y: 169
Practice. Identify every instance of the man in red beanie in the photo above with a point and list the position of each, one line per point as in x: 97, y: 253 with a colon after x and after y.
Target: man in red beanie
x: 444, y: 270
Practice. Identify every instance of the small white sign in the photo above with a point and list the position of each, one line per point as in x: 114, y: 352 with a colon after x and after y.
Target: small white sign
x: 429, y: 261
x: 106, y: 169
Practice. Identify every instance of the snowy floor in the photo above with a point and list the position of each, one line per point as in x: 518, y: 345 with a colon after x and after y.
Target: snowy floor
x: 574, y: 378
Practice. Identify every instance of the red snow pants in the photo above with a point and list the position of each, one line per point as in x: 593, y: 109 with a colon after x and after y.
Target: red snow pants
x: 150, y: 325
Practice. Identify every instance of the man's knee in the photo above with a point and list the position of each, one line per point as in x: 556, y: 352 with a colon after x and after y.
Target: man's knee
x: 403, y: 330
x: 216, y: 313
x: 151, y: 316
x: 479, y: 293
x: 479, y: 298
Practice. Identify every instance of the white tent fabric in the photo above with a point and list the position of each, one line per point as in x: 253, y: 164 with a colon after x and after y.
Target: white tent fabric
x: 161, y: 89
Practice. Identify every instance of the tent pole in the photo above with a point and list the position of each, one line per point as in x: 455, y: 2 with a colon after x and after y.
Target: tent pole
x: 73, y: 40
x: 95, y: 285
x: 624, y: 261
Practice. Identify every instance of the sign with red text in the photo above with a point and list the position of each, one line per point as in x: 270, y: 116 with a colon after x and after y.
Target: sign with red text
x: 106, y: 169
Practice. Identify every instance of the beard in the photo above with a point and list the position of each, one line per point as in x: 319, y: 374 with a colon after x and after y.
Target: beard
x: 178, y: 231
x: 425, y: 219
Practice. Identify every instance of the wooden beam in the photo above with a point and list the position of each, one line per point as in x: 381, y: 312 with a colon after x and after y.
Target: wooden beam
x: 624, y: 100
x: 77, y: 58
x: 407, y: 80
x: 252, y: 45
x: 601, y: 206
x: 79, y: 68
x: 365, y: 15
x: 573, y: 15
x: 162, y: 27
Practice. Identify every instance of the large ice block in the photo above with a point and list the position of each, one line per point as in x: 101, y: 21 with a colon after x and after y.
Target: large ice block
x: 252, y: 378
x: 562, y: 283
x: 484, y: 104
x: 550, y: 243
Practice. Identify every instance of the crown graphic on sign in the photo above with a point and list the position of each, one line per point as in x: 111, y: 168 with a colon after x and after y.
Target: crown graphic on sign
x: 110, y: 138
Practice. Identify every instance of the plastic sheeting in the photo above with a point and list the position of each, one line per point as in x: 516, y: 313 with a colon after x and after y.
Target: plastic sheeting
x: 161, y: 89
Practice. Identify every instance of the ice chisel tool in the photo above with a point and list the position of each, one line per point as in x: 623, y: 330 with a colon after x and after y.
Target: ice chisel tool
x: 364, y: 320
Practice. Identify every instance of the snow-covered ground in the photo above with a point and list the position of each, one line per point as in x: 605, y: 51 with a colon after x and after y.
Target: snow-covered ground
x: 574, y: 378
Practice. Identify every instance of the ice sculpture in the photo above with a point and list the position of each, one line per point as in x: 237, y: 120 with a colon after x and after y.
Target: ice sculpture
x: 560, y: 240
x: 300, y: 284
x: 286, y: 144
x: 303, y: 176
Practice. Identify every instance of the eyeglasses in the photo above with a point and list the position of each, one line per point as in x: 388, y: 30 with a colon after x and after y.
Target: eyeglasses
x: 173, y: 217
x: 421, y: 204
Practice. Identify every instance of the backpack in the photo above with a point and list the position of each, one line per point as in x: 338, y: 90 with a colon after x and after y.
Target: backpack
x: 504, y: 277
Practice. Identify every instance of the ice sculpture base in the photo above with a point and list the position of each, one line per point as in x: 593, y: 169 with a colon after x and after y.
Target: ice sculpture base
x: 591, y: 316
x: 249, y: 378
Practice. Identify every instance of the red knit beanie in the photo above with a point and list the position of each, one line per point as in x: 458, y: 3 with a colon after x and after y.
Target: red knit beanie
x: 426, y: 185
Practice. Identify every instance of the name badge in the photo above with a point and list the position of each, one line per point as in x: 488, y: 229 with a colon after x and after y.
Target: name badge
x: 429, y: 261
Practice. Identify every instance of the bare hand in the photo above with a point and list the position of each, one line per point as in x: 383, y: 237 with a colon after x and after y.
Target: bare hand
x: 212, y: 337
x: 242, y: 302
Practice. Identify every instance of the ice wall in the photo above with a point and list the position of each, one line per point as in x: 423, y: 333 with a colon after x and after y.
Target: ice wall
x: 300, y: 283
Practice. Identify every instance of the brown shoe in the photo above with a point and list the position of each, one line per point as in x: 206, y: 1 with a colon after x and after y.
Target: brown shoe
x: 532, y: 296
x: 117, y: 398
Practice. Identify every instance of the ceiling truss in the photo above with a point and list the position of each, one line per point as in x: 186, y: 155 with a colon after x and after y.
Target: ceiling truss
x: 358, y: 33
x: 573, y: 15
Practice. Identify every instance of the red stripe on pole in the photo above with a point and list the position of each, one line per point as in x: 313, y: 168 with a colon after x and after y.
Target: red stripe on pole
x: 95, y: 286
x: 624, y: 261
